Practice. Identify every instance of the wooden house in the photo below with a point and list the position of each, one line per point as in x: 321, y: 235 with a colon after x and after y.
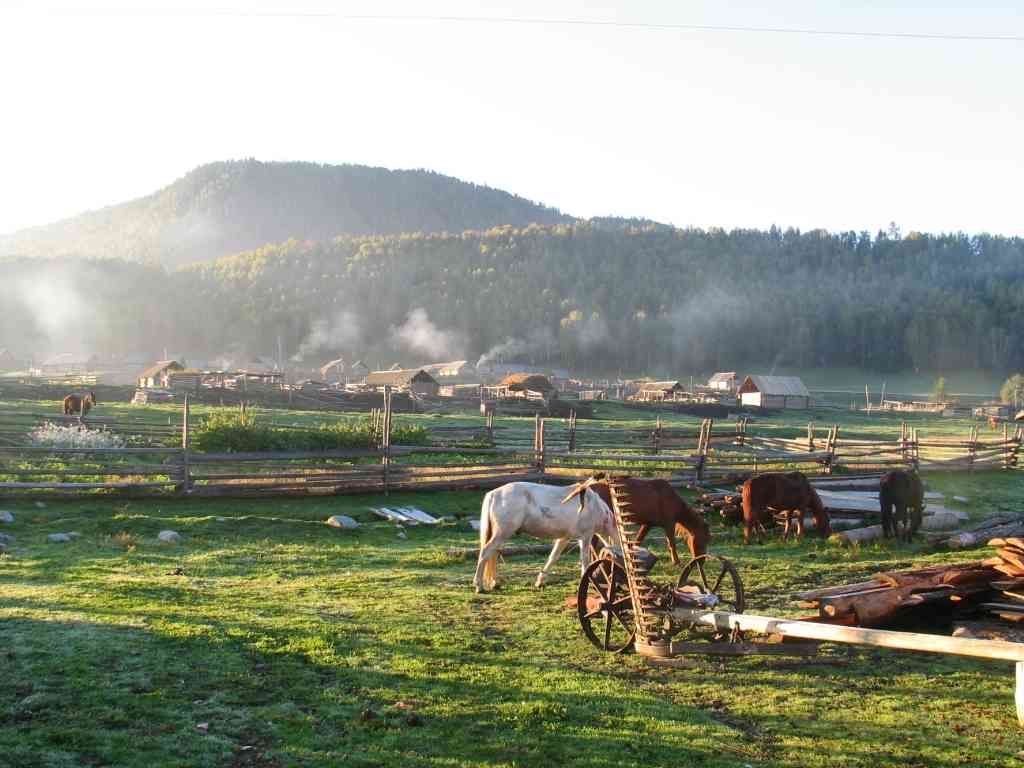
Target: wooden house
x: 657, y: 391
x: 774, y: 392
x: 357, y: 372
x: 455, y: 372
x: 528, y: 386
x: 184, y: 380
x: 414, y: 380
x: 725, y: 381
x: 157, y: 376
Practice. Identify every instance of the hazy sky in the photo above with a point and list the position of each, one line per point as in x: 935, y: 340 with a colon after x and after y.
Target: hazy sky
x: 103, y: 102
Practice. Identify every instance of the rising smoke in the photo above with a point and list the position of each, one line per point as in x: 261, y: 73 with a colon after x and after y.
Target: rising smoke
x: 539, y: 343
x: 342, y: 332
x: 419, y: 334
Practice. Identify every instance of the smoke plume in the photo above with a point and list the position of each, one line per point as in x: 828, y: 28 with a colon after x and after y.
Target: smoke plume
x: 539, y: 343
x: 419, y: 334
x: 341, y: 332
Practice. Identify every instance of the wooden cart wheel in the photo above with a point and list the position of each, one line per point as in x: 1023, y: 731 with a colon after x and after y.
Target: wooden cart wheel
x: 605, y: 607
x: 715, y: 575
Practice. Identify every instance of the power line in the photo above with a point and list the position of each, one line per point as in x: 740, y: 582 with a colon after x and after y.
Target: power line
x: 528, y: 21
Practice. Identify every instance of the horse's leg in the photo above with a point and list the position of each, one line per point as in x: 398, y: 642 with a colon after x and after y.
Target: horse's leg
x: 556, y: 552
x: 799, y: 524
x: 670, y: 539
x: 642, y: 533
x: 787, y: 518
x: 902, y: 523
x: 888, y: 529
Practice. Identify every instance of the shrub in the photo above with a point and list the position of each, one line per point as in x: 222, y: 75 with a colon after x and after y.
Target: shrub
x: 74, y: 436
x: 243, y: 432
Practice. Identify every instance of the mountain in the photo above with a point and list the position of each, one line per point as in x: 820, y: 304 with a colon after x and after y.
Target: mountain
x: 227, y: 207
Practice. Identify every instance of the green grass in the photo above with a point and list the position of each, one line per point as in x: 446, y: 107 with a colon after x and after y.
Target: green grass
x: 302, y: 645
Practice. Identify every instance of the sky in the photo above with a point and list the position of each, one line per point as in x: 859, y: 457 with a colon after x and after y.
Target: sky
x: 103, y: 102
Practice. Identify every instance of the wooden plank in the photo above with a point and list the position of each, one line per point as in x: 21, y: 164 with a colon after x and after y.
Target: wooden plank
x: 879, y: 638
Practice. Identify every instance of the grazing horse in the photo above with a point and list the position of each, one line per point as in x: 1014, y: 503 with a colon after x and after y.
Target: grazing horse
x: 787, y: 492
x: 536, y: 510
x: 903, y: 491
x: 81, y: 405
x: 655, y: 503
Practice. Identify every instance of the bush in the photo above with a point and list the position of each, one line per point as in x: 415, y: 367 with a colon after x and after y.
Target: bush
x: 243, y: 433
x: 74, y: 436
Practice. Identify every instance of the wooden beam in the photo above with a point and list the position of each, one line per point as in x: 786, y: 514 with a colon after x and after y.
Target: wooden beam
x: 880, y: 638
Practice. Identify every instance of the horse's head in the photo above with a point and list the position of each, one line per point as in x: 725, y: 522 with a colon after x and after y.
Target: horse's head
x: 822, y: 524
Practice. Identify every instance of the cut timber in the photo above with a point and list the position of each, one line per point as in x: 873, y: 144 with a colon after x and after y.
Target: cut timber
x: 879, y: 638
x: 857, y: 535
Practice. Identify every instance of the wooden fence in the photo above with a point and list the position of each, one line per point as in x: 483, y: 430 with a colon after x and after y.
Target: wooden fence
x: 482, y: 456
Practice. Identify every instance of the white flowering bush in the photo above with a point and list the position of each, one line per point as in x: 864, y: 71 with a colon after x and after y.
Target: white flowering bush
x: 74, y: 436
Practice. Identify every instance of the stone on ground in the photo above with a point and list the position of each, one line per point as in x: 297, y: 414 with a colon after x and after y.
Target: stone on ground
x: 59, y: 538
x: 169, y: 537
x: 6, y: 517
x: 342, y: 521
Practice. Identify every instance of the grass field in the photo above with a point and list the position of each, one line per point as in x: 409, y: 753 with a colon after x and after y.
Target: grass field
x: 266, y: 638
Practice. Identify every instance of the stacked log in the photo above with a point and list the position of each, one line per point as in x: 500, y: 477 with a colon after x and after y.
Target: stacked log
x: 996, y: 527
x: 888, y: 596
x: 1008, y: 560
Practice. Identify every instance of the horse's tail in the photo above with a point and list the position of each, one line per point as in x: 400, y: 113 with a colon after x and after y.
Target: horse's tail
x: 490, y: 574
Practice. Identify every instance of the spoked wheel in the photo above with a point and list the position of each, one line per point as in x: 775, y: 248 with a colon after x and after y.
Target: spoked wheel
x: 605, y: 607
x: 714, y: 575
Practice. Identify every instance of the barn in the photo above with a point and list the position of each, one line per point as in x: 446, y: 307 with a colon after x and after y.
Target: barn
x: 656, y: 391
x: 414, y: 380
x: 724, y: 381
x: 774, y: 392
x: 157, y: 376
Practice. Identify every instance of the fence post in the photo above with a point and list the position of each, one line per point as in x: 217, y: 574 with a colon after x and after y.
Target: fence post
x: 972, y: 449
x: 657, y: 435
x: 572, y: 430
x: 1006, y: 445
x: 810, y: 436
x: 385, y: 439
x: 186, y: 445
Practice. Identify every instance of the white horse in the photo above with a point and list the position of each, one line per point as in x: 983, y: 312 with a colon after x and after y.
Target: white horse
x: 537, y: 510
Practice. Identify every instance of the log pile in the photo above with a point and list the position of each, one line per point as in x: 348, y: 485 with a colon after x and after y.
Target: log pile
x: 996, y: 527
x: 1009, y: 561
x: 896, y: 595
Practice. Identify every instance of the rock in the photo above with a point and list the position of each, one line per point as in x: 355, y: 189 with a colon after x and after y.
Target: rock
x: 5, y: 538
x: 40, y: 505
x: 402, y: 535
x: 6, y: 517
x: 221, y: 519
x: 474, y: 524
x: 59, y: 538
x: 169, y: 537
x: 961, y: 499
x: 342, y: 521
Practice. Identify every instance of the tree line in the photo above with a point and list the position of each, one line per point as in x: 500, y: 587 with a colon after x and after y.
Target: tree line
x: 601, y: 298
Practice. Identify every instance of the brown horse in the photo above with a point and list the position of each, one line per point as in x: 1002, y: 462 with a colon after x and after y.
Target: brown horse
x: 787, y: 492
x: 81, y: 405
x: 655, y: 503
x: 902, y: 491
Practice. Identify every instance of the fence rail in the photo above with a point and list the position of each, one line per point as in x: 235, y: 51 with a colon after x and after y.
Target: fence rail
x: 556, y: 450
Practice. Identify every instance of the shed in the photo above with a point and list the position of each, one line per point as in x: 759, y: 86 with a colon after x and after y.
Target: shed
x: 157, y: 376
x: 184, y: 380
x: 723, y: 380
x: 653, y: 391
x: 774, y: 392
x: 454, y: 372
x: 414, y: 380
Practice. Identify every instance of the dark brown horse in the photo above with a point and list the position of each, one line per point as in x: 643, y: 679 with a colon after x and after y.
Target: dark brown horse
x: 77, y: 404
x: 655, y: 503
x: 787, y: 492
x: 903, y: 492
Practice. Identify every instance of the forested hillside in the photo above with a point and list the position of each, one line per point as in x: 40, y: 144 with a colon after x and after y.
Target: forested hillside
x: 648, y: 298
x: 227, y: 207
